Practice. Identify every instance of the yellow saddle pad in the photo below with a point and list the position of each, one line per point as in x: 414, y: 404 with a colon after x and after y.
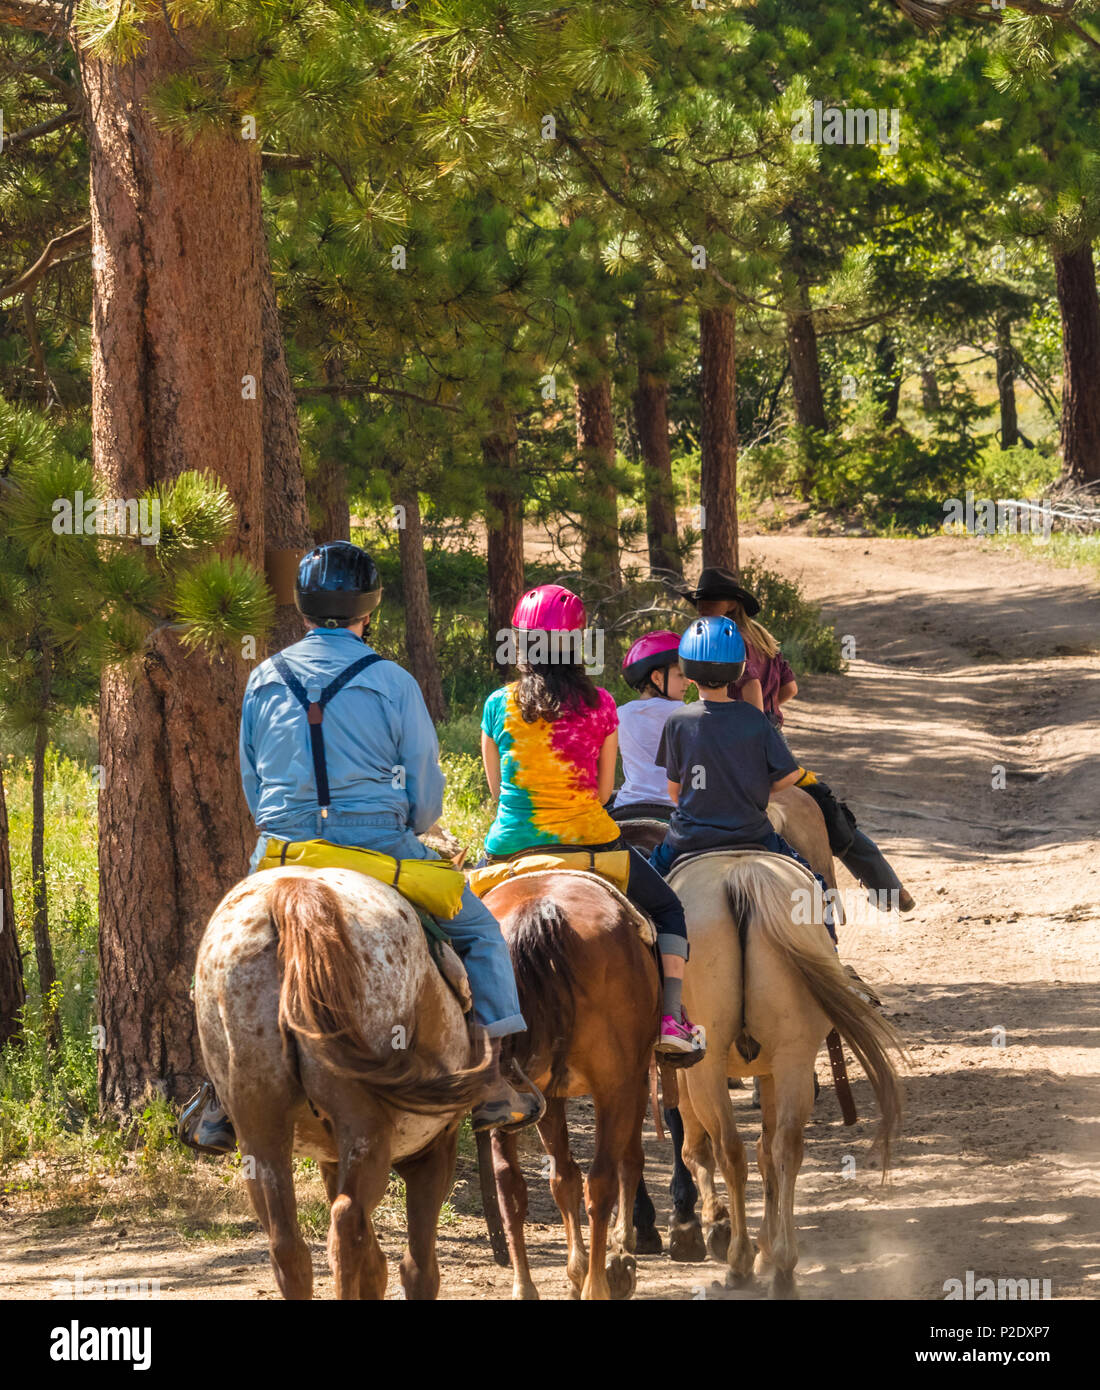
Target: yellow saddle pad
x: 428, y: 883
x: 612, y: 864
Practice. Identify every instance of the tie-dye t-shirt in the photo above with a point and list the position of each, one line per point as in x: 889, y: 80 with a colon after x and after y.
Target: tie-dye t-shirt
x: 548, y: 775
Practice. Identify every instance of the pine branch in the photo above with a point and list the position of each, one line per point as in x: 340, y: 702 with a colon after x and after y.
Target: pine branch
x: 40, y: 16
x: 48, y: 258
x: 272, y: 159
x: 20, y: 137
x: 927, y: 14
x: 363, y: 388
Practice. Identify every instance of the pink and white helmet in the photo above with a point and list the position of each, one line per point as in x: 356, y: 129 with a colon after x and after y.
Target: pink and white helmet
x: 648, y: 654
x: 549, y: 608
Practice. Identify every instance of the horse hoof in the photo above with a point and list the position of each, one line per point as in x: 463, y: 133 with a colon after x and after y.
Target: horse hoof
x: 525, y: 1294
x: 648, y: 1242
x: 685, y: 1242
x: 622, y: 1276
x: 783, y: 1285
x: 718, y: 1241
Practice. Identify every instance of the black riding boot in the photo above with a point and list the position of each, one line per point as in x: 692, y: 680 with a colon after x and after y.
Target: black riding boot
x: 857, y: 851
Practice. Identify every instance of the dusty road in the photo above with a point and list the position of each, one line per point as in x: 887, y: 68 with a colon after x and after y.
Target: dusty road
x: 965, y: 736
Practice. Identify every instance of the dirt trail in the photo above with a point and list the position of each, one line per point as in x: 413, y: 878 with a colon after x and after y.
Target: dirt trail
x: 967, y: 659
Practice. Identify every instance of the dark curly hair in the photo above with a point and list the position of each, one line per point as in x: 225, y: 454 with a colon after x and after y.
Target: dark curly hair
x: 549, y: 691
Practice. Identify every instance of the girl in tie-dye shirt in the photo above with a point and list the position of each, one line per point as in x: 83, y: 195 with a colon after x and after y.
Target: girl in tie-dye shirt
x: 549, y: 742
x: 549, y: 793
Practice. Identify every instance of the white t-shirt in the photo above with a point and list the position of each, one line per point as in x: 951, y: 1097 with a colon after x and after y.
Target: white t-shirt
x: 641, y: 723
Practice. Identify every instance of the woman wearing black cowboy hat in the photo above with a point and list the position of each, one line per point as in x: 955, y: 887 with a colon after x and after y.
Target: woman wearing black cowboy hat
x: 768, y: 683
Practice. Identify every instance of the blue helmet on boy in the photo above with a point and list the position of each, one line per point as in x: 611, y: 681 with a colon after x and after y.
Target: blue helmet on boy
x: 712, y: 651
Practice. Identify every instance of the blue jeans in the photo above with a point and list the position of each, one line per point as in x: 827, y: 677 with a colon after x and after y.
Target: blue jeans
x: 474, y: 932
x: 663, y: 859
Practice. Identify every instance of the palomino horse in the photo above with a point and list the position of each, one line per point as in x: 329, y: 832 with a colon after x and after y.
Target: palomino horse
x: 765, y: 982
x: 797, y: 817
x: 588, y: 990
x: 328, y: 1031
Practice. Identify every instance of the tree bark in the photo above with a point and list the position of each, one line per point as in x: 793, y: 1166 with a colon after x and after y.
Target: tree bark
x: 600, y: 502
x: 12, y: 992
x: 1006, y: 384
x: 651, y: 424
x: 930, y: 398
x: 1075, y: 278
x: 419, y: 635
x: 330, y: 494
x: 809, y: 402
x: 40, y: 907
x: 887, y: 378
x: 286, y: 515
x: 504, y: 529
x: 177, y: 361
x: 718, y: 484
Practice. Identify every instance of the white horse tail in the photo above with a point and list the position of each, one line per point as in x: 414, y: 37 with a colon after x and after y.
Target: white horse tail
x: 761, y: 893
x: 321, y: 999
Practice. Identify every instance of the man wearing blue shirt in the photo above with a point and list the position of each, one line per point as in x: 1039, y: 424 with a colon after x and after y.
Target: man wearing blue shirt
x: 377, y: 784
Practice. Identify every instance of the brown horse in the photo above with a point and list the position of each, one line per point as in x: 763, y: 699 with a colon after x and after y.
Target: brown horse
x: 588, y: 988
x: 328, y: 1031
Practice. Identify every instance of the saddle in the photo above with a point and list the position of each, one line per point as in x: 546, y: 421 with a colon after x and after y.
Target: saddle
x: 611, y: 865
x: 570, y: 862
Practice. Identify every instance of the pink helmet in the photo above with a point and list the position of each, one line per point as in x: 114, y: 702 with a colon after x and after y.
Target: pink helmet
x: 648, y: 654
x: 549, y: 608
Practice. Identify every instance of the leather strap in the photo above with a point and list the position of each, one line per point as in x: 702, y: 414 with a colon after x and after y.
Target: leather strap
x: 315, y: 713
x: 840, y: 1077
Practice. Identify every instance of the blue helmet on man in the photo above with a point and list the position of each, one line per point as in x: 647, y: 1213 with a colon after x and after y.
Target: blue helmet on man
x: 712, y: 652
x: 337, y: 584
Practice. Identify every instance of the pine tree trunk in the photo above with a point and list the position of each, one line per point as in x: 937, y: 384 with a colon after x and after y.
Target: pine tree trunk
x: 600, y: 501
x: 419, y: 636
x: 809, y: 401
x: 40, y: 906
x: 286, y: 515
x: 887, y: 379
x: 177, y: 363
x: 12, y: 993
x: 651, y: 424
x: 1006, y: 384
x: 1075, y: 278
x: 330, y: 496
x: 504, y: 528
x: 718, y: 484
x: 929, y: 389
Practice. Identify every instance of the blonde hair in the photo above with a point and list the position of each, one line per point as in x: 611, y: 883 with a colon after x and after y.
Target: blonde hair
x: 755, y: 634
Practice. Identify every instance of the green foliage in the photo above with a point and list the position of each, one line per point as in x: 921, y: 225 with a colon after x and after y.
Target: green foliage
x: 221, y: 601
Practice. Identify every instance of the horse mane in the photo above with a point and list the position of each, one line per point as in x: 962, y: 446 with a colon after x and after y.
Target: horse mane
x: 759, y: 889
x: 321, y: 999
x: 546, y: 982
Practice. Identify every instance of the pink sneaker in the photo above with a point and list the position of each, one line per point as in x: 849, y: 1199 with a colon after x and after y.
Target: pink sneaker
x: 678, y: 1035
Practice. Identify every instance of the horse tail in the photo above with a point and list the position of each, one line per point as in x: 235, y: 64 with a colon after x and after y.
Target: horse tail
x: 760, y: 896
x: 321, y: 998
x: 546, y: 982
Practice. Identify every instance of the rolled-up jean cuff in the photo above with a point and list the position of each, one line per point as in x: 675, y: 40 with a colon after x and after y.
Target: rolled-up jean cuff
x: 670, y: 945
x: 505, y: 1027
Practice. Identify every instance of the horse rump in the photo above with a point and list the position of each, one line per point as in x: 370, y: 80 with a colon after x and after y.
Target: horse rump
x: 539, y: 945
x: 760, y: 895
x: 321, y: 1005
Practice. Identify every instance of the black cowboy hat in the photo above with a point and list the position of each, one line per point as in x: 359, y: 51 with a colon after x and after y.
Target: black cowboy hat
x: 715, y: 582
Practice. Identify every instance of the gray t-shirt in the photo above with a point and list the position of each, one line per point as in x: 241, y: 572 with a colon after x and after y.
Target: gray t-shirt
x: 725, y: 757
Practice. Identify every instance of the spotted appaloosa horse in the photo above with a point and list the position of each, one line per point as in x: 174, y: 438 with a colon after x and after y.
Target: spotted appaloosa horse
x: 328, y: 1031
x: 589, y: 993
x: 797, y: 817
